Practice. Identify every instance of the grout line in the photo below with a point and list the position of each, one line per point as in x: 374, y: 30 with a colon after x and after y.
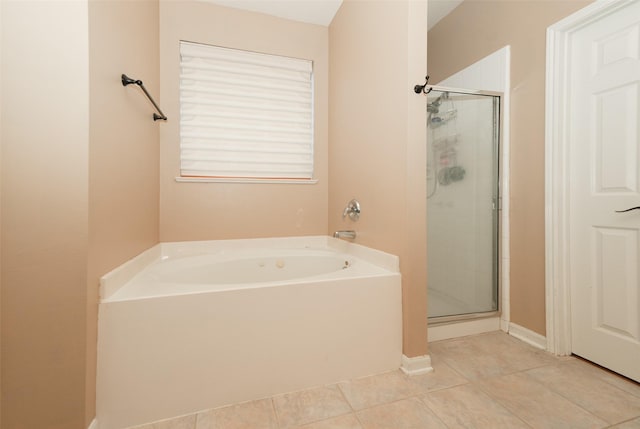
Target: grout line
x: 568, y: 398
x: 358, y: 420
x: 609, y: 374
x: 195, y: 426
x: 533, y: 379
x: 433, y: 412
x: 445, y: 362
x: 626, y: 421
x: 345, y: 396
x: 275, y: 411
x: 500, y: 404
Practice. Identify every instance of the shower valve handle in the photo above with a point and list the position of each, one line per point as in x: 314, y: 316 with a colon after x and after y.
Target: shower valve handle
x: 352, y: 210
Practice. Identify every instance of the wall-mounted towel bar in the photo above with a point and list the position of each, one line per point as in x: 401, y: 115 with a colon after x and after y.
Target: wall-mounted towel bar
x: 126, y: 80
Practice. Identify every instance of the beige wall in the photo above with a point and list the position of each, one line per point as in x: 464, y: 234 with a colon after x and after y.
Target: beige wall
x: 201, y: 211
x: 79, y: 191
x: 1, y: 106
x: 123, y: 148
x: 1, y: 214
x: 45, y: 133
x: 475, y: 29
x: 377, y: 140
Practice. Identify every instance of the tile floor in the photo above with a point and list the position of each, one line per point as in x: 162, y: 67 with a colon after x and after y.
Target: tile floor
x: 484, y: 381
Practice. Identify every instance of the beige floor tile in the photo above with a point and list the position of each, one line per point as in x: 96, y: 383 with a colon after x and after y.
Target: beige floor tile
x: 378, y: 389
x: 442, y: 377
x: 469, y: 360
x: 347, y: 421
x: 490, y: 380
x: 599, y: 397
x: 255, y: 415
x: 408, y: 413
x: 184, y: 422
x: 205, y: 420
x: 308, y: 406
x: 617, y: 380
x: 538, y: 405
x: 519, y: 354
x: 631, y: 424
x: 489, y: 355
x: 469, y: 407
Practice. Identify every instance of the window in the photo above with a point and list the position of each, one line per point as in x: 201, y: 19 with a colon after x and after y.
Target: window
x: 244, y: 115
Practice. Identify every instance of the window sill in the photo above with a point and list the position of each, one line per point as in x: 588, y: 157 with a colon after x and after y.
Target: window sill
x: 238, y: 180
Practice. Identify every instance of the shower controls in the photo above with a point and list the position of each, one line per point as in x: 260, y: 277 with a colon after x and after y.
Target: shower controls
x: 352, y: 210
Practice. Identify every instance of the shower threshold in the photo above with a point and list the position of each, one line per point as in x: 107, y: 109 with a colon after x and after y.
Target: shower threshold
x: 446, y: 327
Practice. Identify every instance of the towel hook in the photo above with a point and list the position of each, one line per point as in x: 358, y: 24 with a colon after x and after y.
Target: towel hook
x: 421, y: 88
x: 126, y: 80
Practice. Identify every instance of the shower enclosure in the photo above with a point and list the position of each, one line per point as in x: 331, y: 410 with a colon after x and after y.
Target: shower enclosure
x: 463, y: 203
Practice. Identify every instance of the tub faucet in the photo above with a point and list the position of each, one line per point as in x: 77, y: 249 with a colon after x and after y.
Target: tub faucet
x: 351, y: 235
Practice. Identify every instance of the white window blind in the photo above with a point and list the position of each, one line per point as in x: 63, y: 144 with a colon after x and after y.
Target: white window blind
x: 244, y: 114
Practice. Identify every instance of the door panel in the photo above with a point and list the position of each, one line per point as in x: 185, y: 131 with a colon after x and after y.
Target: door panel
x: 616, y: 139
x: 605, y: 177
x: 615, y: 291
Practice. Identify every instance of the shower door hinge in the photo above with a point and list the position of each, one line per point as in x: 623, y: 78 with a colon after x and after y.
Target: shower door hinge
x: 497, y: 203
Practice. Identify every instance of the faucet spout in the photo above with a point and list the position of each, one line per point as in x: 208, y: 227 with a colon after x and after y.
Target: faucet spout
x: 351, y: 235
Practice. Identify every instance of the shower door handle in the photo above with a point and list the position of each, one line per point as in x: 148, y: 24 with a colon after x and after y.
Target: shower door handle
x: 628, y: 210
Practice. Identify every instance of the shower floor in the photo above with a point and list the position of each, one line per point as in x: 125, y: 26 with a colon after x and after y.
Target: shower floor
x: 440, y: 304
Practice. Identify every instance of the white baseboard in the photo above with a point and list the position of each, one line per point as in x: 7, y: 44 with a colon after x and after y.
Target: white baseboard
x: 528, y: 336
x: 94, y: 424
x: 504, y: 325
x: 416, y: 365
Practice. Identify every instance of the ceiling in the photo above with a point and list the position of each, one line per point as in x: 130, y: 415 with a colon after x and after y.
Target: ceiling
x: 438, y: 9
x: 321, y: 12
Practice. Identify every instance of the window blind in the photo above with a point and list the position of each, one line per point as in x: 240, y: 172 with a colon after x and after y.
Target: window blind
x: 244, y: 114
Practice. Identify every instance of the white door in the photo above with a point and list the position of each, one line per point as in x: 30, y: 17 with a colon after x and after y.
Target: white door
x: 604, y: 148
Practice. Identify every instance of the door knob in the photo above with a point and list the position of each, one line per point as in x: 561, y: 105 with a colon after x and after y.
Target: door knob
x: 628, y: 210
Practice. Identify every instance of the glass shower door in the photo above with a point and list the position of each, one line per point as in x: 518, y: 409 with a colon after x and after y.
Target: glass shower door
x: 462, y: 202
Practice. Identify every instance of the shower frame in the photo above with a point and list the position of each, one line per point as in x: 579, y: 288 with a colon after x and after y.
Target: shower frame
x: 498, y: 125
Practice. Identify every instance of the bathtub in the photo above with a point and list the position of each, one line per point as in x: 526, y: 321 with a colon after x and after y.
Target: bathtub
x: 189, y: 326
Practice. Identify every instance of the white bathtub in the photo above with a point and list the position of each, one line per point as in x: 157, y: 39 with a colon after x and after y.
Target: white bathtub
x: 189, y: 326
